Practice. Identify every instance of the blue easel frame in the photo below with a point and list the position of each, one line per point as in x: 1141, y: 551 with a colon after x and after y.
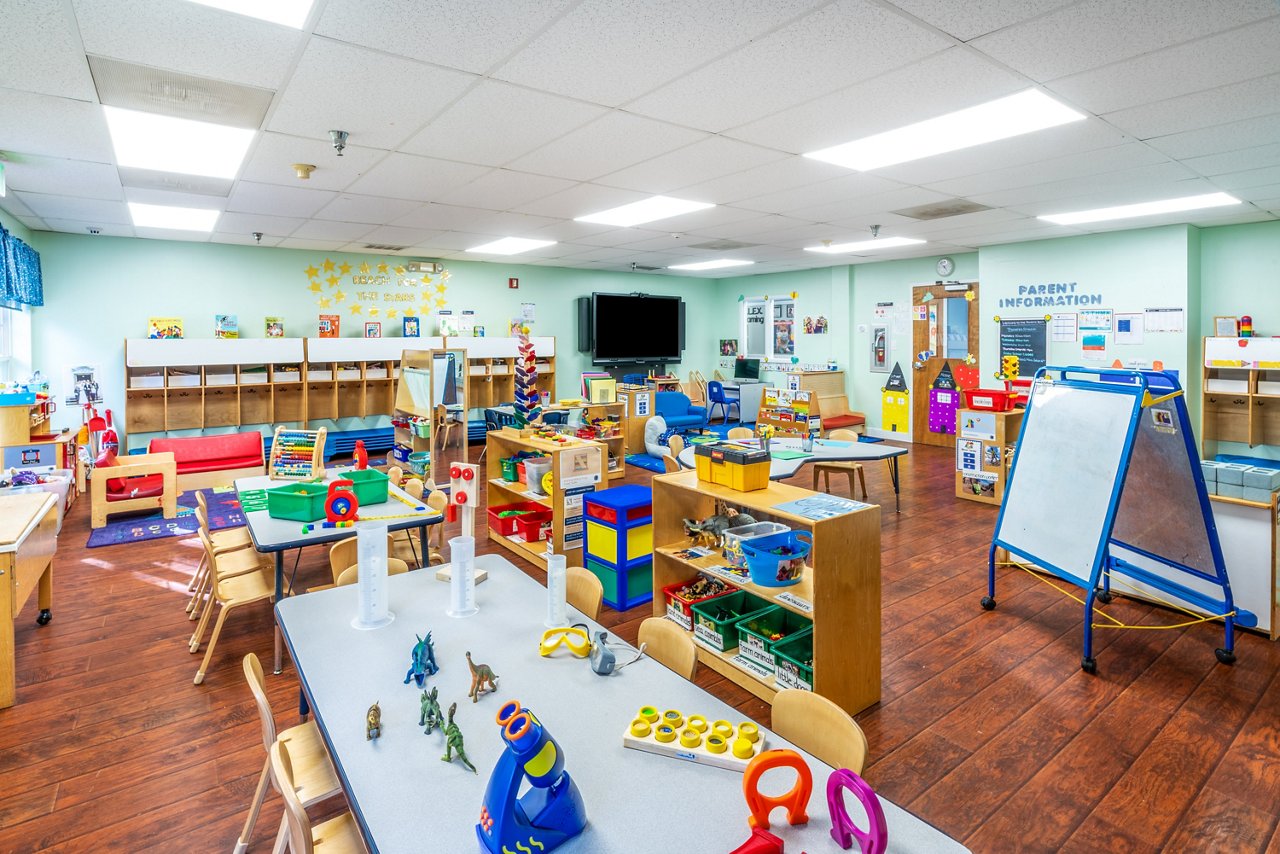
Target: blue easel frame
x: 1139, y: 385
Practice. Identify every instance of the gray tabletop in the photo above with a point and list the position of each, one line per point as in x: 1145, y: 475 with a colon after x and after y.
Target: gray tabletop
x: 824, y: 450
x: 407, y: 800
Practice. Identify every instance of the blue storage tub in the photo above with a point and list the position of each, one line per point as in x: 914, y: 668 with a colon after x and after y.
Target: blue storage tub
x: 777, y: 560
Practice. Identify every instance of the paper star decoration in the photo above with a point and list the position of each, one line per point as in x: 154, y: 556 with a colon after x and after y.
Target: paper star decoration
x: 355, y: 309
x: 399, y: 270
x: 328, y: 266
x: 409, y: 312
x: 391, y: 312
x: 373, y: 311
x: 314, y: 287
x: 344, y: 268
x: 325, y: 302
x: 440, y: 303
x: 382, y: 268
x: 339, y: 296
x: 440, y: 287
x: 364, y: 268
x: 333, y: 281
x: 311, y: 272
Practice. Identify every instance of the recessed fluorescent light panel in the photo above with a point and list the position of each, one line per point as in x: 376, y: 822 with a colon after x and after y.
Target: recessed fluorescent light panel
x: 166, y: 144
x: 174, y: 218
x: 718, y: 264
x: 1015, y: 115
x: 864, y: 245
x: 290, y: 13
x: 510, y: 246
x: 647, y: 210
x: 1186, y: 203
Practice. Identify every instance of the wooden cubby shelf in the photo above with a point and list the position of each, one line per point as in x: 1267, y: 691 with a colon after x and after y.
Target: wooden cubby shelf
x: 841, y: 583
x: 1240, y: 398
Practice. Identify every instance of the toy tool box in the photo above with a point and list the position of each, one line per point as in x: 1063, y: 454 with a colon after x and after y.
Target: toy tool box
x: 715, y: 620
x: 735, y: 466
x: 758, y: 633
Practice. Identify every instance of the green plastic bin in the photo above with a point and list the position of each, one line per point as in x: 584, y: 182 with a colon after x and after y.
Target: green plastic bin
x: 793, y: 660
x: 301, y: 502
x: 714, y: 619
x: 755, y: 633
x: 370, y: 485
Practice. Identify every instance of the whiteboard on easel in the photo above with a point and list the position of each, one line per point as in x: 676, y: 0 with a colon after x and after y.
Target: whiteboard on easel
x: 1065, y: 475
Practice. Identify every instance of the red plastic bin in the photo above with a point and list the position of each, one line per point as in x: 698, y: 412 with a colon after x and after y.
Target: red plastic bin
x: 673, y: 598
x: 990, y: 399
x: 534, y: 527
x: 506, y: 525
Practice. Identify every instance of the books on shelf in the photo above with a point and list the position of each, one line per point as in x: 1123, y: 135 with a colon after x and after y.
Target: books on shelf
x: 329, y: 325
x: 274, y: 327
x: 226, y: 326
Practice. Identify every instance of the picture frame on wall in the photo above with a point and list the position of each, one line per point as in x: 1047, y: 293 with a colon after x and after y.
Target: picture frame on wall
x: 1225, y: 326
x: 373, y: 329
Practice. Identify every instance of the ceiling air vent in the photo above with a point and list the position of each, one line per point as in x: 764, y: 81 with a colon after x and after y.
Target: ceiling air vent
x: 382, y: 247
x: 942, y: 210
x: 642, y: 268
x: 723, y: 245
x: 154, y: 90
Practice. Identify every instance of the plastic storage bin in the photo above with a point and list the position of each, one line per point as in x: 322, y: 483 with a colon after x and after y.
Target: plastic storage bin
x: 626, y: 587
x: 778, y: 559
x: 734, y: 537
x: 715, y: 620
x: 534, y: 527
x: 990, y: 399
x: 679, y: 607
x: 300, y: 502
x: 793, y: 661
x: 506, y: 525
x: 369, y: 485
x: 759, y: 632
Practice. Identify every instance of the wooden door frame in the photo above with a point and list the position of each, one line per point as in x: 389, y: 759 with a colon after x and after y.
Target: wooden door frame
x: 922, y: 379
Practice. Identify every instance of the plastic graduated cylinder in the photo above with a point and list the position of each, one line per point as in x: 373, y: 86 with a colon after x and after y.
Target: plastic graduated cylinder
x: 462, y: 580
x: 557, y: 592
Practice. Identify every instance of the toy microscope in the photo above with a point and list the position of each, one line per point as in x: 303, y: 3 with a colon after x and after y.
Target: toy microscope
x: 551, y: 812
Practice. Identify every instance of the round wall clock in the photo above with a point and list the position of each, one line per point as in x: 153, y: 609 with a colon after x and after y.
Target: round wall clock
x: 946, y: 266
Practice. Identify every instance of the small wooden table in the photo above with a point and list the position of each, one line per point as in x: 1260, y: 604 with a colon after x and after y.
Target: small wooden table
x: 28, y: 539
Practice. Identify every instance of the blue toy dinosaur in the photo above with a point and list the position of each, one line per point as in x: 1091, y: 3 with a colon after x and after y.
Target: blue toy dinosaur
x: 424, y: 661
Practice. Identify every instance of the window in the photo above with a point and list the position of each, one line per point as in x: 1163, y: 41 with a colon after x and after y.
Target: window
x: 768, y: 328
x: 755, y: 338
x: 6, y: 341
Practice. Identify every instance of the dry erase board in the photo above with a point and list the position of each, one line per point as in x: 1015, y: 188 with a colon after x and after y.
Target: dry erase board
x: 1065, y: 474
x: 1028, y: 339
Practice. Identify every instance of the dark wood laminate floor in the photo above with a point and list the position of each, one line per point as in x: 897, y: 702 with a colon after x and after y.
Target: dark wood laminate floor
x: 987, y: 727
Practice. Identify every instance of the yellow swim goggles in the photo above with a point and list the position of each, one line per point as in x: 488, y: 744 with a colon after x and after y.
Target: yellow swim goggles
x: 575, y: 637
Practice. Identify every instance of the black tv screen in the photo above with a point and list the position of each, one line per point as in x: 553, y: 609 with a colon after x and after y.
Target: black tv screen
x: 635, y: 328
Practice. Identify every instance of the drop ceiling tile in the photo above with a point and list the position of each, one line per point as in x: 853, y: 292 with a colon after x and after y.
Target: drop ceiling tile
x: 1236, y: 161
x: 1096, y: 32
x: 615, y: 237
x: 456, y: 33
x: 503, y: 189
x: 239, y: 239
x: 598, y: 253
x: 304, y: 243
x: 1024, y: 235
x: 272, y: 157
x: 707, y: 220
x: 471, y: 220
x: 836, y: 191
x: 671, y: 245
x: 106, y: 229
x: 15, y: 205
x: 749, y: 230
x: 966, y: 20
x: 895, y: 198
x: 69, y: 207
x: 452, y: 241
x: 1251, y: 194
x: 37, y: 124
x: 1249, y: 133
x: 478, y: 127
x: 178, y: 36
x: 610, y: 52
x: 396, y: 235
x: 978, y: 219
x: 1238, y: 101
x: 173, y: 234
x: 246, y: 224
x: 568, y: 231
x: 34, y: 223
x: 56, y: 176
x: 1114, y: 159
x: 581, y: 200
x: 1138, y: 179
x: 936, y: 85
x: 379, y: 100
x: 612, y: 142
x: 835, y: 46
x: 1229, y: 57
x: 693, y: 164
x: 249, y: 197
x: 1110, y: 196
x: 376, y: 210
x: 151, y: 196
x: 419, y: 179
x: 1248, y: 179
x: 771, y: 178
x: 39, y: 51
x: 339, y: 232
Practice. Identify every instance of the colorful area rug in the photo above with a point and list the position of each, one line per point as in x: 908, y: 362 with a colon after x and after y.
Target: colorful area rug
x: 224, y: 512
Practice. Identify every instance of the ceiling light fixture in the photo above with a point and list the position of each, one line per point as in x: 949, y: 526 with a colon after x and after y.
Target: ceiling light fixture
x: 863, y: 245
x: 1015, y: 115
x: 711, y: 265
x: 1185, y: 203
x: 510, y: 246
x: 173, y: 218
x: 166, y: 144
x: 290, y: 13
x: 645, y: 210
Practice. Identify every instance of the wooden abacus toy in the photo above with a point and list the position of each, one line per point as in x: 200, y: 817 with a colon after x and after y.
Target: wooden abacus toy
x: 297, y: 455
x: 695, y: 739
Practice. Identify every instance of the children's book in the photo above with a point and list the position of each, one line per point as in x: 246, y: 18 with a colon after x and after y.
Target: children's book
x: 225, y: 326
x: 275, y: 327
x: 412, y: 327
x: 373, y: 329
x: 329, y: 324
x: 164, y: 327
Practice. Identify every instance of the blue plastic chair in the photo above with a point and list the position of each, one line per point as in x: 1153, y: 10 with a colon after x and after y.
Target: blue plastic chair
x: 717, y: 397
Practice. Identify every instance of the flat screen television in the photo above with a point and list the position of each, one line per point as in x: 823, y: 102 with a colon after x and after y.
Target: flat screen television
x: 635, y: 328
x: 746, y: 369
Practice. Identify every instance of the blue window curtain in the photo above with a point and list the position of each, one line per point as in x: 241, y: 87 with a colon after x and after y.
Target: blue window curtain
x: 20, y: 279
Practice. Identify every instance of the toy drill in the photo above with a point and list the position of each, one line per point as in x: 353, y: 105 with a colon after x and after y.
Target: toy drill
x: 551, y: 812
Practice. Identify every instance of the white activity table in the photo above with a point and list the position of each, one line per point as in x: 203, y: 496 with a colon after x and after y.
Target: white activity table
x: 406, y: 800
x: 824, y: 450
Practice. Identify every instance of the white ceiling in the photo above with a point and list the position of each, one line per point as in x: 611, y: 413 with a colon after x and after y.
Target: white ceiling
x: 470, y: 120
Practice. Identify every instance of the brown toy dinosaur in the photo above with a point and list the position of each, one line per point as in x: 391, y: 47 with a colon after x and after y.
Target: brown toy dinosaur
x: 481, y: 675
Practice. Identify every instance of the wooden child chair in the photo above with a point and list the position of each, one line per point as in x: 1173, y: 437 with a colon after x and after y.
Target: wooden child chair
x: 229, y: 592
x: 740, y: 433
x: 585, y: 592
x: 815, y: 724
x: 669, y: 645
x: 227, y: 539
x: 338, y: 835
x: 233, y: 562
x: 826, y: 469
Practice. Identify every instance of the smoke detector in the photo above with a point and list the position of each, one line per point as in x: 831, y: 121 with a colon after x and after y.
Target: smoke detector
x: 304, y: 170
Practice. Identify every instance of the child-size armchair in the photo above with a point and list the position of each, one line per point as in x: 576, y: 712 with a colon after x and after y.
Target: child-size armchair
x: 137, y: 482
x: 679, y: 413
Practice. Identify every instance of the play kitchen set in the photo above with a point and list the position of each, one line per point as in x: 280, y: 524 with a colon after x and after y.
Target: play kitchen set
x: 31, y: 458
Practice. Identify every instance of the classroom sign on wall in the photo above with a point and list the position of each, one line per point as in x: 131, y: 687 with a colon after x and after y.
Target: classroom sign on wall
x: 1026, y: 338
x: 375, y: 289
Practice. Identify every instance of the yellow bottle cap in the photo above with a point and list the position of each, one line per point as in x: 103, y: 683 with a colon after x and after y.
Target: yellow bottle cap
x: 649, y: 713
x: 724, y: 729
x: 665, y: 734
x: 640, y: 728
x: 698, y: 722
x: 749, y: 731
x: 673, y: 718
x: 743, y: 748
x: 716, y: 744
x: 690, y: 738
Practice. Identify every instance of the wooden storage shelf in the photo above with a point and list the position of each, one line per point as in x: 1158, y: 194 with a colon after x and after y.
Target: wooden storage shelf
x: 350, y: 399
x: 1240, y: 404
x: 842, y: 583
x: 616, y: 445
x: 183, y: 409
x: 221, y: 406
x: 516, y: 492
x: 491, y: 368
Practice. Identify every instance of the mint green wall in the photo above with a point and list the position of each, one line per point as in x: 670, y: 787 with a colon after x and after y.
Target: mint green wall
x: 1240, y: 274
x: 101, y: 290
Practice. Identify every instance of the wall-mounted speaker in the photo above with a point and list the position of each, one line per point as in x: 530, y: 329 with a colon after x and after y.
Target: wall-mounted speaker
x: 682, y: 326
x: 584, y: 324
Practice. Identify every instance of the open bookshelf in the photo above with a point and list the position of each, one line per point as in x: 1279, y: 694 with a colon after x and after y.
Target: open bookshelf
x: 1240, y: 397
x: 616, y: 442
x: 840, y: 587
x: 491, y: 368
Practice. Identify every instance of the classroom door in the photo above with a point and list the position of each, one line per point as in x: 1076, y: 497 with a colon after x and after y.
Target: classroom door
x: 944, y: 334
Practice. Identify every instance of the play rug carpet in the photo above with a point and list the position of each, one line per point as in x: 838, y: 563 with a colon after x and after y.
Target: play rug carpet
x: 647, y: 462
x: 224, y: 512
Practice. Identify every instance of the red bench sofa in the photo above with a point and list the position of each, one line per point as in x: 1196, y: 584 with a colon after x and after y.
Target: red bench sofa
x: 208, y: 461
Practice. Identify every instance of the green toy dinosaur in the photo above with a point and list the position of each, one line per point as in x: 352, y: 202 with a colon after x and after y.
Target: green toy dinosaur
x: 453, y: 741
x: 431, y: 716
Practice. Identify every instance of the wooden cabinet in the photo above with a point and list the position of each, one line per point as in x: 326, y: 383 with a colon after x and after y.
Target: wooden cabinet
x: 840, y: 589
x: 28, y: 540
x: 1240, y: 398
x: 984, y: 452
